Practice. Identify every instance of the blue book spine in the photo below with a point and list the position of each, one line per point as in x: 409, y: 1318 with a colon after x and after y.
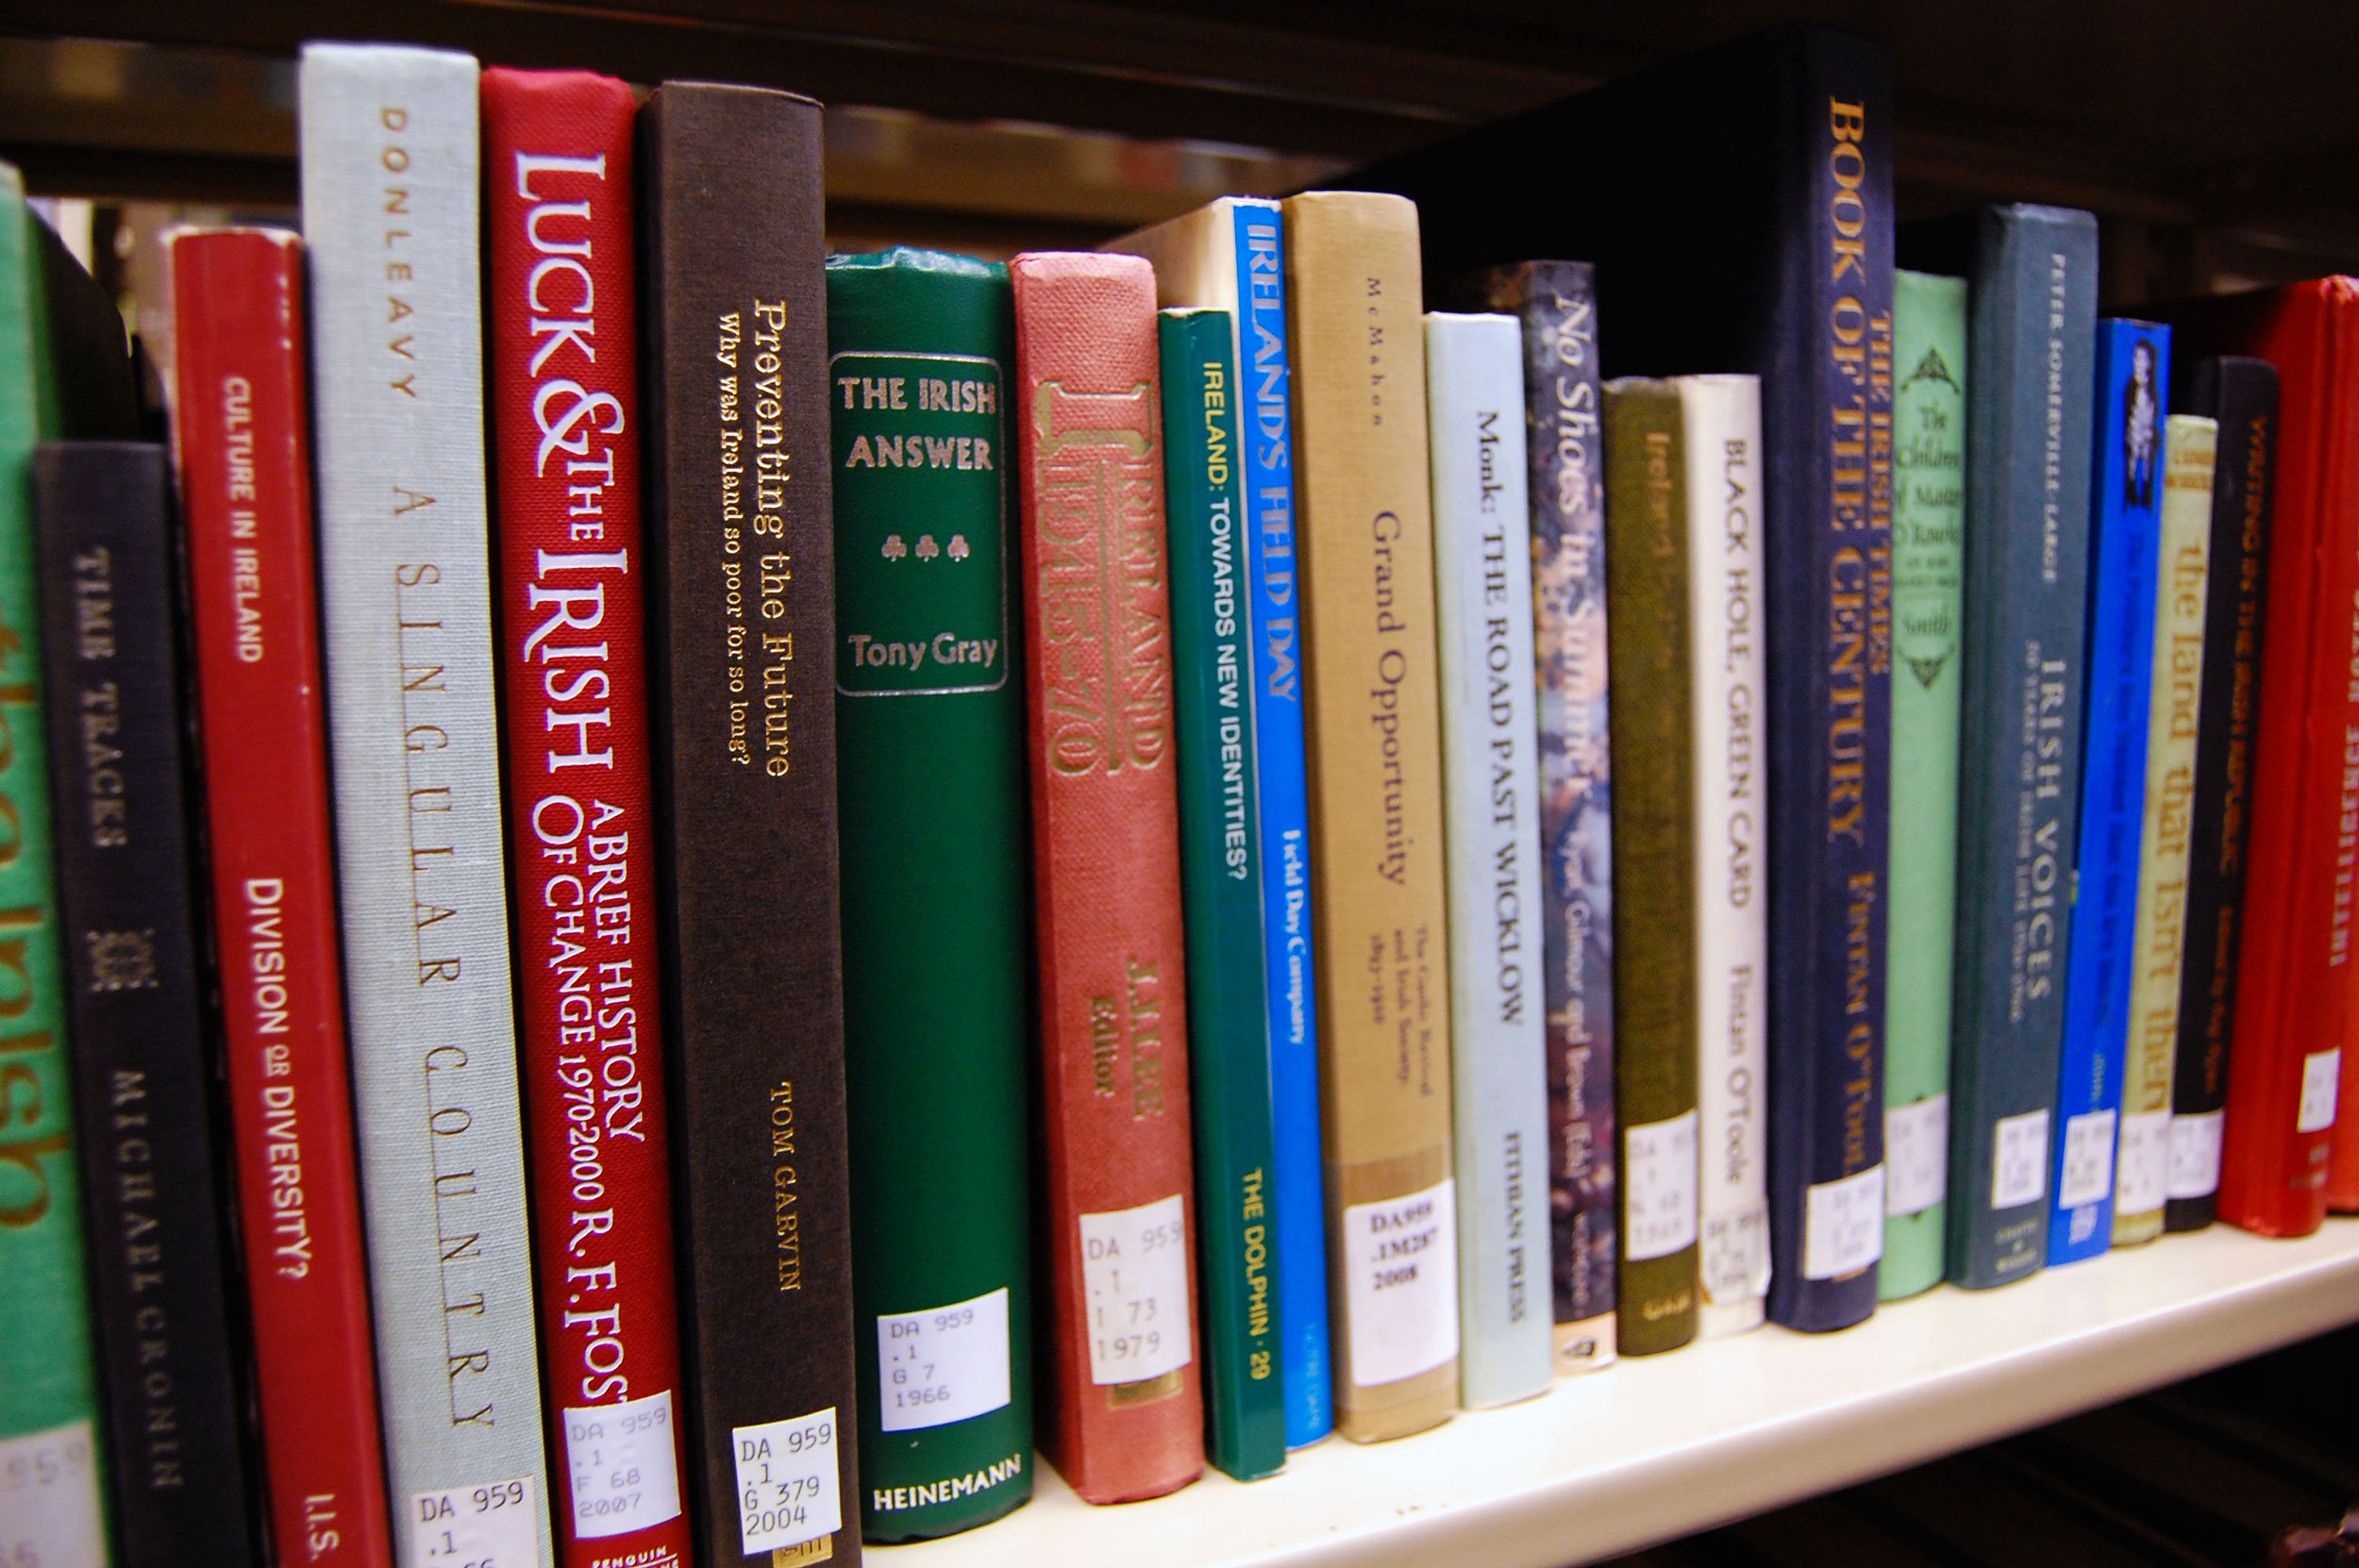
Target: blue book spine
x: 2133, y: 373
x: 2031, y: 322
x: 1298, y: 1183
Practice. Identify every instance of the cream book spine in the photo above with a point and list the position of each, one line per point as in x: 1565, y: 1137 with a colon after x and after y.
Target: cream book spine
x: 1726, y: 675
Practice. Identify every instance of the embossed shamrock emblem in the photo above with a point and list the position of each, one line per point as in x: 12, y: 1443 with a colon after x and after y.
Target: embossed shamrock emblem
x: 926, y: 548
x: 893, y: 548
x: 122, y: 960
x: 958, y: 547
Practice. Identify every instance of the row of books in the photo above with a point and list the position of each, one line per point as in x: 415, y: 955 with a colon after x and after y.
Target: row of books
x: 659, y: 884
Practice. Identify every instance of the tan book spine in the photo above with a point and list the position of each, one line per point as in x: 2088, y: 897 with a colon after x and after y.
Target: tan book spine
x: 1366, y: 538
x: 2142, y: 1167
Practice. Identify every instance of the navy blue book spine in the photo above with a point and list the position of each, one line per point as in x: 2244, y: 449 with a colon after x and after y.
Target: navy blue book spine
x: 2031, y: 342
x: 2125, y: 526
x: 1298, y: 1169
x: 144, y: 1067
x: 1827, y: 439
x: 2241, y: 394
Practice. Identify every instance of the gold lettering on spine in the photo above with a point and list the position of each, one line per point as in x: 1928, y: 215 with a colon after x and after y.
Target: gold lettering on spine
x: 1106, y: 699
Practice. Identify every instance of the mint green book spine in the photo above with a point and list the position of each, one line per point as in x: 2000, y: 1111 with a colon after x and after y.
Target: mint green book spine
x: 1221, y: 873
x: 50, y: 1486
x: 1927, y: 616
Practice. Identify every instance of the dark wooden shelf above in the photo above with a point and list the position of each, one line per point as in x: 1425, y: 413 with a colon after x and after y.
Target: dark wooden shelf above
x: 2217, y: 138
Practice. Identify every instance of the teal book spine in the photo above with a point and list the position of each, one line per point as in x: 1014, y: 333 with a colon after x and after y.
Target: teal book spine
x: 50, y: 1482
x: 1221, y: 873
x: 1928, y: 621
x: 929, y: 748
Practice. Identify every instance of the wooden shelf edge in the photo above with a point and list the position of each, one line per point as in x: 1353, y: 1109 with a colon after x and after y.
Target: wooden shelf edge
x: 1662, y: 1447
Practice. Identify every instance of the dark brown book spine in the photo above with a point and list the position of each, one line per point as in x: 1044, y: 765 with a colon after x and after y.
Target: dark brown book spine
x: 742, y: 597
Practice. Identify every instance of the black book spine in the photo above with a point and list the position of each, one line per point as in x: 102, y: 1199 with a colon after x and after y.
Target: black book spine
x: 144, y: 1079
x: 743, y: 636
x: 2241, y: 394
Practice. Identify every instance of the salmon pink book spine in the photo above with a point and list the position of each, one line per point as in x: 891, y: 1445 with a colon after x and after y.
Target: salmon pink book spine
x: 1127, y: 1418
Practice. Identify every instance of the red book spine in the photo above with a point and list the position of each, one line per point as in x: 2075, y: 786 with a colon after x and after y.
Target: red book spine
x: 1128, y: 1420
x: 2293, y: 989
x: 565, y: 410
x: 245, y: 470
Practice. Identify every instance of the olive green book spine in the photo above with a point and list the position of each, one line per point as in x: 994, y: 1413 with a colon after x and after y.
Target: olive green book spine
x: 1654, y: 855
x: 50, y: 1484
x: 1928, y: 619
x: 929, y: 730
x: 1220, y: 882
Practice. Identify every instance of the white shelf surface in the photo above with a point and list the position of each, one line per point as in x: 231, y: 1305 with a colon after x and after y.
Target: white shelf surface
x: 1668, y: 1444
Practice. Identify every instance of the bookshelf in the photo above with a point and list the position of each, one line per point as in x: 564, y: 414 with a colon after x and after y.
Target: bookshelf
x: 1657, y: 1448
x: 2214, y: 139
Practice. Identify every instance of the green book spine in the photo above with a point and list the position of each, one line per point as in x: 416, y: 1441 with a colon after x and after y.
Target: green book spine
x: 929, y: 738
x: 1653, y: 713
x: 1220, y: 869
x: 50, y: 1510
x: 1928, y: 615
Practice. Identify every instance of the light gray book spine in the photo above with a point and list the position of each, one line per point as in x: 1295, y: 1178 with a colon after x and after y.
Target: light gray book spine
x: 390, y: 203
x: 1491, y: 807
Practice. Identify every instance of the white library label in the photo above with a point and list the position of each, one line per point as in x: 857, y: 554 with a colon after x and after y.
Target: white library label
x: 1916, y: 1154
x: 496, y: 1524
x: 1843, y: 1224
x: 1658, y: 1175
x: 2087, y: 1176
x: 942, y: 1365
x: 787, y: 1487
x: 1134, y: 1279
x: 49, y: 1508
x: 1735, y: 1262
x: 2142, y: 1168
x: 2195, y: 1153
x: 625, y: 1470
x: 2019, y: 1159
x: 2321, y: 1074
x: 1401, y: 1279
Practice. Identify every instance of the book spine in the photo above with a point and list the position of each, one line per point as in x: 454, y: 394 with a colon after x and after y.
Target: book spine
x: 1927, y: 616
x: 406, y: 599
x: 1654, y: 860
x: 110, y: 627
x: 245, y: 482
x: 1556, y: 302
x: 1722, y: 431
x: 1129, y: 1413
x: 1365, y: 535
x: 742, y: 585
x: 53, y: 1509
x: 1265, y: 359
x: 2142, y: 1167
x: 2292, y: 986
x: 2031, y: 326
x: 1129, y: 1403
x: 2240, y: 395
x: 1490, y: 801
x: 2126, y: 474
x: 1829, y: 471
x: 564, y: 410
x: 930, y: 745
x: 1222, y: 864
